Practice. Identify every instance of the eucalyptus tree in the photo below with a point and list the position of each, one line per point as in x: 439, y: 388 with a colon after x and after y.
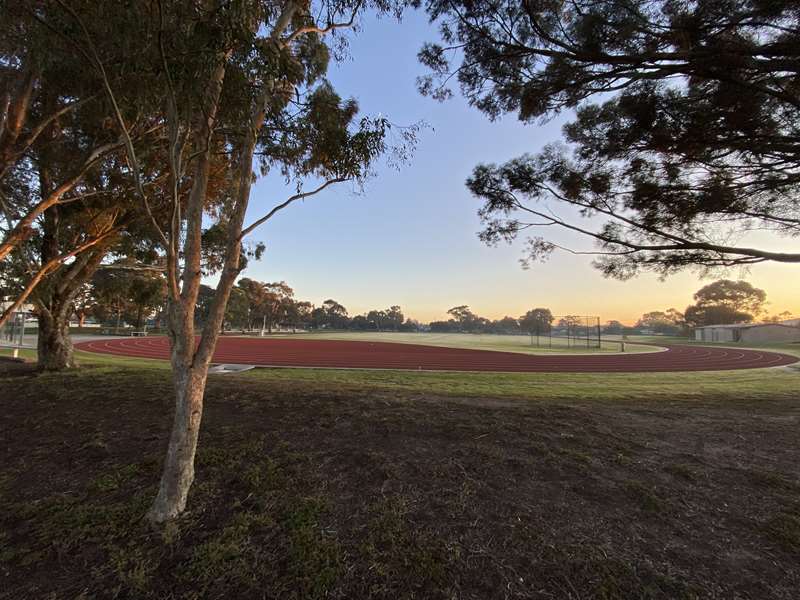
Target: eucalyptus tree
x: 241, y: 83
x: 124, y: 289
x: 63, y: 197
x: 278, y: 296
x: 69, y: 241
x: 336, y: 315
x: 686, y: 134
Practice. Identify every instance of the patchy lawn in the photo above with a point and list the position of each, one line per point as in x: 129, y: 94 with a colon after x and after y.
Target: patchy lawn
x: 323, y: 488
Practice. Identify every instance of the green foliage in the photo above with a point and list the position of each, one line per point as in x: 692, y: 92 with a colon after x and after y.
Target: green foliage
x: 725, y: 302
x: 536, y: 321
x: 667, y: 322
x: 738, y: 295
x: 124, y: 292
x: 685, y: 123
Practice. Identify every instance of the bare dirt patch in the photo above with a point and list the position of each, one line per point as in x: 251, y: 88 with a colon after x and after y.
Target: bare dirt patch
x: 361, y: 494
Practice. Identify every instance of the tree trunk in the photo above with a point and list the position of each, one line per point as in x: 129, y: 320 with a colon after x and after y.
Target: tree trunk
x: 54, y: 344
x: 178, y: 474
x: 190, y: 366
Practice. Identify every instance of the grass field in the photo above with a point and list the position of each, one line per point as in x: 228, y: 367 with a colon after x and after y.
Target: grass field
x: 388, y: 484
x: 503, y: 343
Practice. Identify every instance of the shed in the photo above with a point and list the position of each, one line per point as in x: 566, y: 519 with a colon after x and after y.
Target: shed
x: 748, y: 332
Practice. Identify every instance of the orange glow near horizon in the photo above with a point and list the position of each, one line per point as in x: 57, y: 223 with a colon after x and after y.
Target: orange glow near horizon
x: 587, y: 293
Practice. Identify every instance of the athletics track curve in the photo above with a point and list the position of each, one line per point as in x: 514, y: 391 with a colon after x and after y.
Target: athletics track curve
x: 385, y: 355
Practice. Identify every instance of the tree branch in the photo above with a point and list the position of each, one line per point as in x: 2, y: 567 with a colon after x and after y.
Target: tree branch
x: 287, y: 202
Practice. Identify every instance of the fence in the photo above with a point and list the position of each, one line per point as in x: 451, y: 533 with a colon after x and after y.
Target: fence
x: 572, y: 331
x: 12, y: 332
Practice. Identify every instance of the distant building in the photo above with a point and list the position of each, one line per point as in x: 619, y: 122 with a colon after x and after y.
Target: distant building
x: 784, y: 331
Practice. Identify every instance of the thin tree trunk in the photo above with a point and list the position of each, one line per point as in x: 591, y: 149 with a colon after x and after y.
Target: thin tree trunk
x: 189, y: 381
x: 190, y: 366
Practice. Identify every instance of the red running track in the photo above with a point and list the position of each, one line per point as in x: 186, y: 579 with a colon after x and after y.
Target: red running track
x: 384, y: 355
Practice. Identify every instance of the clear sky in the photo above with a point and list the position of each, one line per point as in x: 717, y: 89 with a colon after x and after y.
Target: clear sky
x: 410, y: 237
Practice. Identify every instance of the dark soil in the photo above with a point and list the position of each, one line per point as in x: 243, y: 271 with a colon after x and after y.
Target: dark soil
x: 302, y: 494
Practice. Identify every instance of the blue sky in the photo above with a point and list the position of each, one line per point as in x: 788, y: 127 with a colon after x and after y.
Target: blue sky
x: 410, y: 237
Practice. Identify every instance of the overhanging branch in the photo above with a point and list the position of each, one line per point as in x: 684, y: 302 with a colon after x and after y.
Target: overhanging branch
x: 287, y: 202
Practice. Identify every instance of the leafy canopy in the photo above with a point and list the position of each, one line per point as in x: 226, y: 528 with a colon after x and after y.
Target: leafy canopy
x: 686, y: 134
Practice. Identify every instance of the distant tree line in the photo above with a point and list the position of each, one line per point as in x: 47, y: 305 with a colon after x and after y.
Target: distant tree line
x: 463, y: 320
x: 121, y: 295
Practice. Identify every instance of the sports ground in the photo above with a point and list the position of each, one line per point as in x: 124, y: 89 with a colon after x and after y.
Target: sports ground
x: 396, y: 482
x: 354, y: 354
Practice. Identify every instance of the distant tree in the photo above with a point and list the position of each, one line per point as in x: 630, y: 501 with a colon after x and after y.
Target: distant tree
x: 361, y: 323
x: 725, y: 302
x: 443, y: 326
x: 205, y: 296
x: 238, y: 309
x: 374, y: 319
x: 276, y: 299
x: 698, y: 315
x: 318, y: 317
x: 411, y: 325
x: 536, y: 322
x: 738, y: 295
x: 237, y: 313
x: 781, y: 316
x: 613, y: 328
x: 506, y: 325
x: 694, y: 135
x: 335, y: 315
x: 568, y: 325
x: 146, y: 293
x: 255, y: 294
x: 83, y: 303
x: 664, y: 322
x: 394, y: 317
x: 464, y: 317
x: 110, y: 293
x: 297, y: 313
x: 126, y: 294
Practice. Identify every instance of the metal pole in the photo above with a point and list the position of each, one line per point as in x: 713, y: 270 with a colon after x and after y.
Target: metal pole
x: 587, y: 332
x: 599, y: 339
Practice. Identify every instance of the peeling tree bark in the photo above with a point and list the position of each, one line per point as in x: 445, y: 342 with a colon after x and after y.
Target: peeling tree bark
x: 189, y: 371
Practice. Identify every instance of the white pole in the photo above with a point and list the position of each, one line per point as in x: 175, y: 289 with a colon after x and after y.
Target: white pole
x: 15, y: 354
